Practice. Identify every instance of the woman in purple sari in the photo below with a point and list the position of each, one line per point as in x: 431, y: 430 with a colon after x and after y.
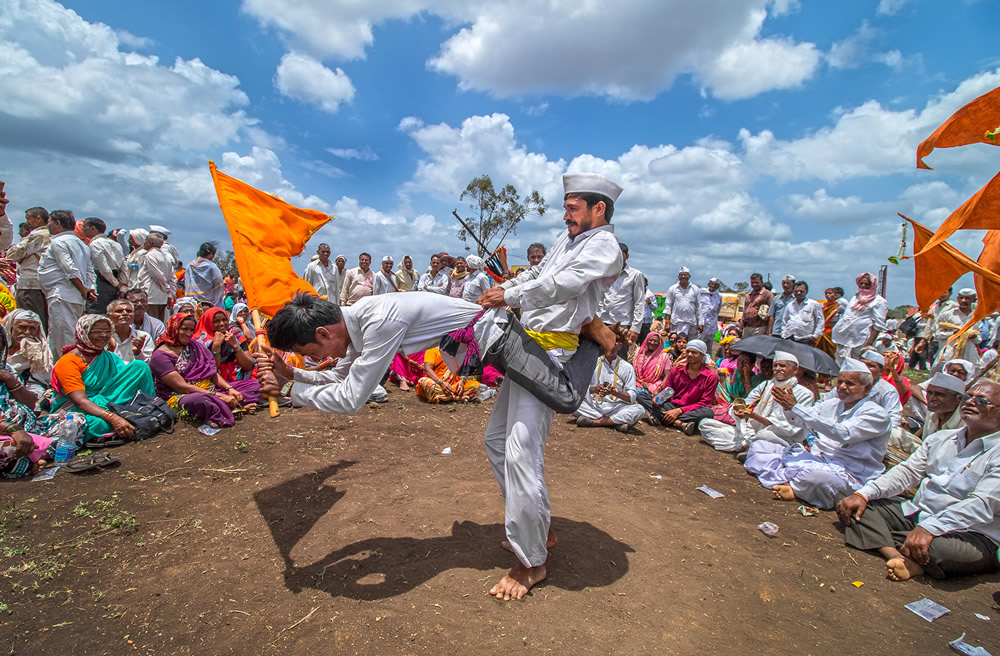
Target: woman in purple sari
x: 187, y: 378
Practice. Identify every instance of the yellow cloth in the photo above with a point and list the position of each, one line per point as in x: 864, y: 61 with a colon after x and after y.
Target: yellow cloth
x: 553, y: 340
x: 6, y: 300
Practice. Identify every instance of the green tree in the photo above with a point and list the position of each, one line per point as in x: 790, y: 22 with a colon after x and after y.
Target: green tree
x: 741, y: 286
x: 495, y: 212
x: 898, y: 312
x: 226, y: 261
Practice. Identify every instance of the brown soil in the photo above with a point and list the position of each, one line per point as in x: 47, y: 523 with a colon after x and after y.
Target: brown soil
x: 313, y: 533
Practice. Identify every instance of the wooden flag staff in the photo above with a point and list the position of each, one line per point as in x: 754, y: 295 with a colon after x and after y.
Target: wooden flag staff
x: 259, y: 341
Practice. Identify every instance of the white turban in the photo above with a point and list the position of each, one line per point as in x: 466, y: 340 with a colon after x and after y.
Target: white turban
x: 874, y: 356
x: 475, y: 262
x: 698, y: 345
x: 970, y: 368
x: 715, y: 280
x: 850, y: 364
x: 784, y: 356
x: 139, y: 235
x: 387, y: 258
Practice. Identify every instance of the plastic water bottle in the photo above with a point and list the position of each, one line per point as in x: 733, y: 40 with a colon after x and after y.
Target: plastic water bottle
x: 664, y: 396
x: 66, y: 444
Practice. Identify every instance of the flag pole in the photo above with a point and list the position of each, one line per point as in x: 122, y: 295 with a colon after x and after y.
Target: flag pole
x: 259, y: 341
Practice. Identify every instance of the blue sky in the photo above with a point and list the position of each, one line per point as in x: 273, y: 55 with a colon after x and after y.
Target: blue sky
x: 748, y: 134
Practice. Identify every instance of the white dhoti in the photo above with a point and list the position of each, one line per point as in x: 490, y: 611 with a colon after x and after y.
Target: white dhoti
x: 62, y: 324
x: 815, y: 480
x: 848, y: 352
x: 686, y: 327
x: 725, y: 437
x: 619, y: 412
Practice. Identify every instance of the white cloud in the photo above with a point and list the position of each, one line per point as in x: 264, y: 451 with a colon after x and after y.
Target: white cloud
x: 854, y: 50
x: 303, y: 78
x: 783, y: 7
x: 365, y: 154
x: 752, y: 67
x: 130, y: 40
x: 889, y: 7
x: 821, y: 207
x: 323, y: 168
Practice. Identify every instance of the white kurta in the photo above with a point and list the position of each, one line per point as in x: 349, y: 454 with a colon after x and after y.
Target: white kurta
x: 625, y: 300
x: 854, y: 328
x: 156, y: 276
x: 682, y: 308
x: 107, y: 257
x: 802, y: 321
x: 477, y: 283
x: 323, y: 279
x: 954, y: 316
x: 709, y: 305
x: 724, y: 437
x: 436, y: 284
x: 620, y: 375
x: 885, y: 394
x: 382, y: 284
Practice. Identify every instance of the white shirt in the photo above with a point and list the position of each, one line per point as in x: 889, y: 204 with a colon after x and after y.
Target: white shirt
x: 648, y: 305
x: 66, y: 257
x: 562, y: 292
x: 802, y: 320
x: 379, y: 327
x: 682, y: 304
x: 381, y: 284
x: 883, y: 393
x: 323, y: 279
x: 625, y: 300
x: 618, y: 373
x: 854, y: 328
x: 156, y: 276
x: 959, y: 484
x: 477, y: 283
x: 437, y: 284
x: 107, y: 257
x: 27, y: 253
x: 948, y: 314
x: 709, y: 305
x: 855, y: 438
x: 124, y: 349
x: 768, y: 408
x: 153, y: 326
x: 171, y: 250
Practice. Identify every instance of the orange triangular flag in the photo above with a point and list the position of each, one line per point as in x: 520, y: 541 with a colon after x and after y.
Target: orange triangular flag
x: 936, y: 269
x: 266, y: 232
x: 987, y: 290
x: 980, y: 212
x: 970, y: 124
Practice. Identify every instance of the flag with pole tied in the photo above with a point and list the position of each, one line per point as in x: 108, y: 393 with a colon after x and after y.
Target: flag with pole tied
x: 266, y: 232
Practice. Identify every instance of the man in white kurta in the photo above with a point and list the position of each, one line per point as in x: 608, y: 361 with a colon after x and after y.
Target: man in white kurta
x: 156, y: 276
x: 611, y: 400
x: 322, y: 274
x: 946, y: 323
x: 802, y: 319
x: 66, y: 274
x: 478, y: 281
x: 680, y: 312
x: 625, y: 300
x: 859, y: 325
x: 709, y: 305
x: 851, y: 435
x: 763, y: 418
x: 384, y: 281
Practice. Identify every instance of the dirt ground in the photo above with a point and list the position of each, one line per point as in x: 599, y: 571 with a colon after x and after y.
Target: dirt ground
x: 313, y: 533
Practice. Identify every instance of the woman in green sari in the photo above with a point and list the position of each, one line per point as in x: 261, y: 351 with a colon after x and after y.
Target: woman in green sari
x: 87, y: 378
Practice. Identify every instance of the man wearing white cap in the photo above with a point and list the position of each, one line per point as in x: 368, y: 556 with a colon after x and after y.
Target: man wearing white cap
x: 680, y: 312
x: 322, y: 274
x: 709, y: 305
x: 947, y: 322
x: 624, y: 302
x: 852, y: 433
x: 945, y: 395
x: 341, y: 270
x: 384, y: 281
x: 136, y: 239
x: 693, y: 386
x: 761, y: 418
x: 167, y: 247
x: 778, y: 307
x: 478, y: 281
x: 951, y: 526
x: 556, y: 297
x: 611, y: 401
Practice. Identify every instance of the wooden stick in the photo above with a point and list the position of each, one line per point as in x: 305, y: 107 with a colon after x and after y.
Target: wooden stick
x: 261, y: 340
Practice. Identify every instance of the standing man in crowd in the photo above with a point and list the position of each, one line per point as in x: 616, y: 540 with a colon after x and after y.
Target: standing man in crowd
x: 680, y: 314
x: 624, y: 301
x: 359, y: 282
x: 709, y: 306
x: 66, y: 273
x: 536, y: 252
x: 756, y: 308
x: 109, y: 265
x: 778, y: 308
x: 802, y: 319
x: 862, y: 321
x: 341, y: 262
x: 27, y: 254
x: 156, y: 275
x: 203, y: 280
x: 946, y: 322
x: 435, y: 280
x: 167, y: 247
x: 384, y: 281
x: 321, y: 273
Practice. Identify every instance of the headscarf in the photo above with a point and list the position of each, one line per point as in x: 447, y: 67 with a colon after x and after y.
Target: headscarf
x: 474, y: 262
x: 970, y: 369
x: 139, y: 235
x: 169, y: 335
x: 402, y: 264
x: 864, y: 296
x: 204, y: 332
x: 186, y: 301
x: 38, y: 354
x: 239, y: 307
x: 82, y: 335
x: 650, y: 367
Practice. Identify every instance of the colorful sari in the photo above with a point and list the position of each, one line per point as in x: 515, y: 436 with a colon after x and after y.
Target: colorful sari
x: 431, y: 391
x: 652, y: 369
x: 400, y: 369
x: 204, y: 332
x: 825, y: 341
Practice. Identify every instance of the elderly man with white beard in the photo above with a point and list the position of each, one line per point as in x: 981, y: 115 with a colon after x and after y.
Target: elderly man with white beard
x: 852, y: 433
x: 761, y: 417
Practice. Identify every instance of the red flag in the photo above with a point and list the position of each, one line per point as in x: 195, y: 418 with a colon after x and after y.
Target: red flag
x: 973, y: 123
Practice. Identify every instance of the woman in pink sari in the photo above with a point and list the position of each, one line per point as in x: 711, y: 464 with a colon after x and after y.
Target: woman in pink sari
x: 652, y: 364
x: 406, y: 370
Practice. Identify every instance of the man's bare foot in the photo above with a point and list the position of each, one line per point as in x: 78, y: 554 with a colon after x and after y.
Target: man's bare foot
x: 783, y: 492
x: 550, y: 542
x: 404, y: 386
x: 903, y: 569
x: 597, y: 332
x: 517, y: 582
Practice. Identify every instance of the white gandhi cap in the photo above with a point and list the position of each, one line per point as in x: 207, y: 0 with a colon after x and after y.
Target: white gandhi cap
x: 784, y: 356
x: 948, y: 382
x: 590, y: 183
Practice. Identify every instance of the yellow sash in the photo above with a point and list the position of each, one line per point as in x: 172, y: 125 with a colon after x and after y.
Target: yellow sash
x: 552, y: 340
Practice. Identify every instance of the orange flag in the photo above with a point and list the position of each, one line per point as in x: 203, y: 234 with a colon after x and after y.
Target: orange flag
x: 987, y: 290
x: 971, y: 124
x: 980, y: 212
x: 266, y: 232
x: 935, y: 269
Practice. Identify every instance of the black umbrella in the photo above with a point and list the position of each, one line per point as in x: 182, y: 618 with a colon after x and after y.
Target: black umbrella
x: 810, y: 358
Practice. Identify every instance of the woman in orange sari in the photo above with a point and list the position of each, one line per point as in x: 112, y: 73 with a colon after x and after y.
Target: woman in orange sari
x: 831, y: 312
x: 439, y: 385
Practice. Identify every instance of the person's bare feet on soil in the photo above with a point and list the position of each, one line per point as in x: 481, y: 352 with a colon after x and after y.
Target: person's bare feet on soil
x: 603, y: 336
x: 903, y: 569
x: 404, y: 386
x: 783, y: 492
x: 517, y: 582
x: 550, y: 542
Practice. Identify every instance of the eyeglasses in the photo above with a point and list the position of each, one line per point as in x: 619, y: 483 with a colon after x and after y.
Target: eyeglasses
x: 982, y: 401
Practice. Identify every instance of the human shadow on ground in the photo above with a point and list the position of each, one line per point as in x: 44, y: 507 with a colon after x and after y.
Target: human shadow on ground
x: 585, y: 557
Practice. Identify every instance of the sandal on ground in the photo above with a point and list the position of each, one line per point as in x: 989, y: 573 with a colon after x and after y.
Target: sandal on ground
x: 94, y: 462
x: 102, y: 442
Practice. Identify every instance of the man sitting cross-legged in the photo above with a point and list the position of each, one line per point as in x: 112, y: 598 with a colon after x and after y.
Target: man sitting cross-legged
x: 611, y: 401
x: 693, y: 386
x: 952, y: 524
x: 852, y: 432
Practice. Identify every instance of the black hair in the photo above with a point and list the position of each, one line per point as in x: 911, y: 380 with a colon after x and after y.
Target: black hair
x: 64, y: 218
x: 537, y: 246
x: 802, y: 283
x: 361, y: 256
x: 295, y: 324
x: 591, y: 199
x: 756, y: 275
x: 839, y: 290
x: 136, y: 292
x: 96, y: 224
x: 768, y: 286
x: 206, y: 249
x: 624, y: 247
x: 37, y: 212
